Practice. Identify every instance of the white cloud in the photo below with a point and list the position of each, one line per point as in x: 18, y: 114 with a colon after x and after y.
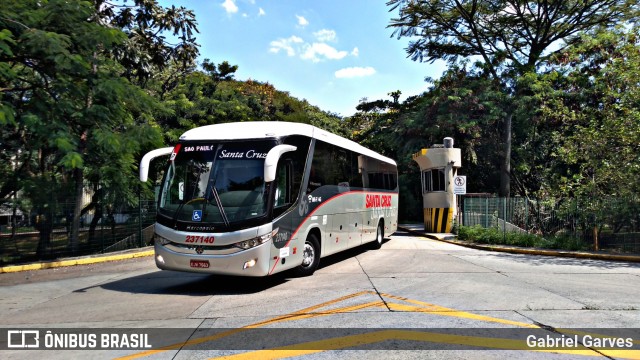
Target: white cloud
x: 230, y: 6
x: 302, y: 21
x: 285, y: 45
x: 352, y: 72
x: 325, y: 35
x: 317, y: 51
x: 355, y: 51
x: 261, y: 12
x: 314, y: 51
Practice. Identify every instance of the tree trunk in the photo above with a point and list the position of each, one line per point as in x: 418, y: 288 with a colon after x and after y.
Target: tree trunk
x: 44, y: 225
x: 78, y: 175
x: 97, y: 216
x: 505, y: 166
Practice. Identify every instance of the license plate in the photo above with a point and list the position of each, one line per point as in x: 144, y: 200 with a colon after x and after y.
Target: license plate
x: 201, y: 264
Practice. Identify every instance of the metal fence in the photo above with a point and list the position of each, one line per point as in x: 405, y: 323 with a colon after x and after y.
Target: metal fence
x: 45, y: 235
x: 605, y: 223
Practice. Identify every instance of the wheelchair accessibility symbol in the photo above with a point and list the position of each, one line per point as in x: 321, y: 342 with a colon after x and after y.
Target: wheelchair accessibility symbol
x: 197, y: 215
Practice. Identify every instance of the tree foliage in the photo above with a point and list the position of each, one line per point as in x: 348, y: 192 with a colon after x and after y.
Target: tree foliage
x: 581, y: 138
x: 213, y: 96
x: 146, y: 25
x: 594, y: 101
x: 509, y: 38
x: 508, y: 35
x: 66, y: 106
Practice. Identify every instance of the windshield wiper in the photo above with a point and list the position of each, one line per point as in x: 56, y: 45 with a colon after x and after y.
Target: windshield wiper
x: 216, y: 196
x: 214, y: 191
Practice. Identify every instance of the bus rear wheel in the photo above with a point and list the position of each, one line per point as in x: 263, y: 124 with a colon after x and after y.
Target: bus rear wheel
x: 310, y: 257
x: 377, y: 243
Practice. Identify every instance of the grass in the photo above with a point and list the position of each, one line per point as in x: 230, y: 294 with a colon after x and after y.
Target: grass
x: 495, y: 236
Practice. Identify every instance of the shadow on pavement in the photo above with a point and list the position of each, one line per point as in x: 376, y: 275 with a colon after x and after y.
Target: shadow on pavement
x: 183, y: 283
x: 179, y: 283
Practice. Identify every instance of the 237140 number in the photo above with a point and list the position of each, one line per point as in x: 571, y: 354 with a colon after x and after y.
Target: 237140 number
x: 198, y: 239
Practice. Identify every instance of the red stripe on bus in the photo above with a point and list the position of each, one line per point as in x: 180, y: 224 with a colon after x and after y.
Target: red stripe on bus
x: 316, y: 209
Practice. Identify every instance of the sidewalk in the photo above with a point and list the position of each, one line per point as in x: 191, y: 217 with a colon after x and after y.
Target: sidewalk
x: 418, y: 229
x: 82, y: 260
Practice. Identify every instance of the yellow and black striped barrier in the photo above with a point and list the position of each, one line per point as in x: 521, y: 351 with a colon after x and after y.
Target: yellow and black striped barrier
x: 438, y: 220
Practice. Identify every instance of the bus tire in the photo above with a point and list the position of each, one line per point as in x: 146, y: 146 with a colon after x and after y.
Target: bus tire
x: 377, y: 243
x: 310, y: 257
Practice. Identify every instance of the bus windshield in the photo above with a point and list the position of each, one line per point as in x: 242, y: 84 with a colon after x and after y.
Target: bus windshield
x: 216, y: 183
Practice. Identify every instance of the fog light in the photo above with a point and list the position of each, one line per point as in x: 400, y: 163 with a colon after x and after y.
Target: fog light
x: 159, y: 259
x: 249, y: 264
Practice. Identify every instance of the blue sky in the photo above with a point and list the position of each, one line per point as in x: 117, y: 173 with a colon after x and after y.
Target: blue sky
x: 331, y: 53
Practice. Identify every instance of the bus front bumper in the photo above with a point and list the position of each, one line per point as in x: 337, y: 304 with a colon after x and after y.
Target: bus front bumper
x: 251, y: 262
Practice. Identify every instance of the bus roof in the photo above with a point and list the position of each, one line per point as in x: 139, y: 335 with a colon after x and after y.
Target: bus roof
x: 274, y: 129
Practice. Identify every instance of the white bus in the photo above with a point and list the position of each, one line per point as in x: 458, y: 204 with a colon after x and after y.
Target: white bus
x: 257, y: 198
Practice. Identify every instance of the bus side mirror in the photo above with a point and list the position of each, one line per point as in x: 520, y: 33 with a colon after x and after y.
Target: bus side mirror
x: 271, y: 161
x: 146, y: 159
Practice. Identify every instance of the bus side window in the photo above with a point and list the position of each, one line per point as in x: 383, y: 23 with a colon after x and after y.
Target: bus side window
x: 298, y: 159
x: 322, y: 169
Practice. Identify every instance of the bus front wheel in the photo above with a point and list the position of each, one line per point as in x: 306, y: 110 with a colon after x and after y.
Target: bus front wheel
x: 310, y: 256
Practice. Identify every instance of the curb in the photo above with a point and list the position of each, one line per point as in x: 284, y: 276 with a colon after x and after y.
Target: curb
x: 76, y: 261
x: 542, y: 252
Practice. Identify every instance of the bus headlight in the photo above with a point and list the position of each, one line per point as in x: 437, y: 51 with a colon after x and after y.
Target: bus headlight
x: 161, y: 240
x: 259, y: 240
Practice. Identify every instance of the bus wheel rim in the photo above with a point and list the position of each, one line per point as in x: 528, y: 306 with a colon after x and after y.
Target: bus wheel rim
x: 308, y: 255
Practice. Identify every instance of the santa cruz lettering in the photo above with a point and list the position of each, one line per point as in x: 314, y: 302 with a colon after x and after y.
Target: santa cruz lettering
x: 378, y: 201
x: 197, y: 239
x: 249, y: 154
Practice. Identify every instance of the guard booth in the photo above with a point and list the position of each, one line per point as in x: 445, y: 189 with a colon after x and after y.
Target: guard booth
x: 438, y: 167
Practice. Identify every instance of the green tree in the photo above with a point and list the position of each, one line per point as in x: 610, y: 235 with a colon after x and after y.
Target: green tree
x: 509, y: 38
x: 593, y: 96
x: 69, y: 115
x: 147, y: 50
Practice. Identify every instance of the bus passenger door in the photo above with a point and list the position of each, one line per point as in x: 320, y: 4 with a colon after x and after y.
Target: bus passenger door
x: 283, y: 246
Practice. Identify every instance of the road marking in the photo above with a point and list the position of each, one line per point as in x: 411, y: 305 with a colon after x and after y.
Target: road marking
x: 440, y: 310
x: 408, y: 335
x: 298, y: 315
x: 377, y: 336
